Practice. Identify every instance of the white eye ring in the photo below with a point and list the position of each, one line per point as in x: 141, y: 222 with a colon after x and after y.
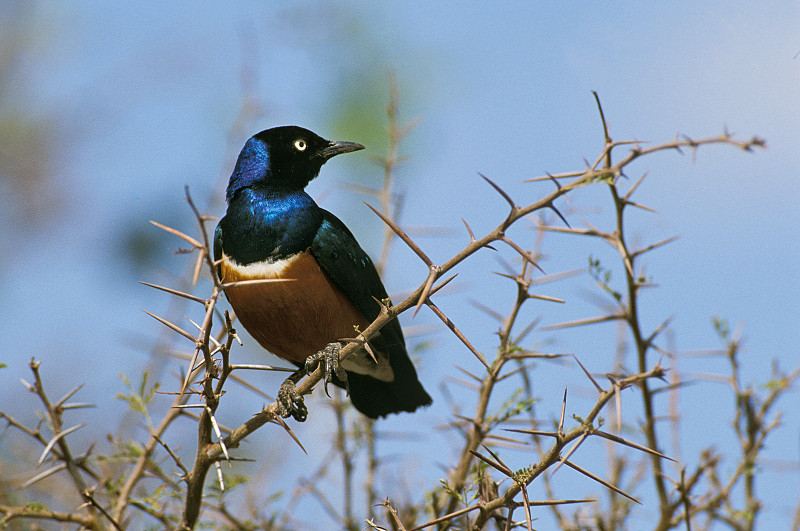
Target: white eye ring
x: 300, y: 144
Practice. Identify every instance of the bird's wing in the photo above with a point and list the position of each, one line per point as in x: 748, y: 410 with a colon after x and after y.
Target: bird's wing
x: 351, y: 270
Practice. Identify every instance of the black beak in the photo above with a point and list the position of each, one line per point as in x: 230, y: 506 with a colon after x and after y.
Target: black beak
x: 337, y: 148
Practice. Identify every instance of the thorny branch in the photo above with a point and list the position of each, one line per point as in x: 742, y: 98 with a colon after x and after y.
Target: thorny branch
x: 210, y: 452
x: 210, y: 368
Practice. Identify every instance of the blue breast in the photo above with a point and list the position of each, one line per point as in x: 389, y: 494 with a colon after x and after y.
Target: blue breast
x: 269, y: 224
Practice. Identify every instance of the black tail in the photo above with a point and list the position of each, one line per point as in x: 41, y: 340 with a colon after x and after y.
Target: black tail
x: 375, y: 398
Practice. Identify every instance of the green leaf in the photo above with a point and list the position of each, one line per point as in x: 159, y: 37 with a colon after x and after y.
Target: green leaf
x: 721, y: 327
x: 139, y: 399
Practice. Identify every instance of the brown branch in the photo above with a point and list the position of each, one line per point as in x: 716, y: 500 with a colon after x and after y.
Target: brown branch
x: 13, y: 513
x: 209, y: 452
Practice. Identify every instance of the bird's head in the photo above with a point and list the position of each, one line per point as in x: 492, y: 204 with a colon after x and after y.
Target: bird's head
x: 283, y: 158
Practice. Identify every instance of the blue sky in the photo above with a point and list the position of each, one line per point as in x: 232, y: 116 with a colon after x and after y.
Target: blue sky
x: 138, y: 101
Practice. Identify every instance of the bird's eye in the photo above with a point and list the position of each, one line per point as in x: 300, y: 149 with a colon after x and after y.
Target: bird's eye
x: 300, y: 144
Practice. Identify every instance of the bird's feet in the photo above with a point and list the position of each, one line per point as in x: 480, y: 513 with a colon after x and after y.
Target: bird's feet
x: 329, y: 356
x: 290, y: 402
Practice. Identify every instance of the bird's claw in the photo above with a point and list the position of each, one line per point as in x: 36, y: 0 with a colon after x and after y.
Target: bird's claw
x: 330, y: 357
x: 290, y: 402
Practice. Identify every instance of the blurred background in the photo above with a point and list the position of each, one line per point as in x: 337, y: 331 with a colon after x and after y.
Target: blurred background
x: 108, y: 109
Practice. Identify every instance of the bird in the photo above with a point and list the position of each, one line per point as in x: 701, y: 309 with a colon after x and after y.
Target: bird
x: 273, y: 229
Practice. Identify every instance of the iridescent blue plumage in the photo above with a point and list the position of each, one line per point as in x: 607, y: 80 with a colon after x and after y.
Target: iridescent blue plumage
x: 273, y: 229
x: 250, y: 166
x: 267, y: 224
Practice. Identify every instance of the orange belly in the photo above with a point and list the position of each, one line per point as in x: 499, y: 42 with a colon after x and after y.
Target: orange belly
x: 292, y: 319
